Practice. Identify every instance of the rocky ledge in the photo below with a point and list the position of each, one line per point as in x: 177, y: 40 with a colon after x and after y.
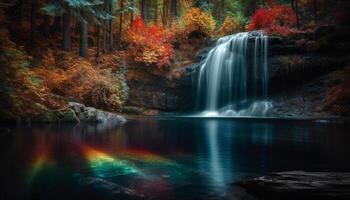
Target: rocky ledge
x: 300, y: 185
x: 77, y: 112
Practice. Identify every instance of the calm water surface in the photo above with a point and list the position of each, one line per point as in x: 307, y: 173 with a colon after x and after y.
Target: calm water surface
x: 155, y: 158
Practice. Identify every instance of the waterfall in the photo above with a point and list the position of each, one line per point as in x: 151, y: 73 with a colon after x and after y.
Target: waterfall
x: 234, y: 76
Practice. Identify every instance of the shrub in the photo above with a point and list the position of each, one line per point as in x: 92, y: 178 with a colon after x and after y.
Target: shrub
x: 231, y: 25
x: 21, y: 90
x: 197, y: 20
x: 80, y: 80
x: 278, y: 19
x: 150, y: 45
x: 104, y: 95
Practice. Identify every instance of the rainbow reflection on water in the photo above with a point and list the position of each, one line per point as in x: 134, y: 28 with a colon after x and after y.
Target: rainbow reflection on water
x: 41, y: 162
x: 104, y: 165
x: 148, y: 157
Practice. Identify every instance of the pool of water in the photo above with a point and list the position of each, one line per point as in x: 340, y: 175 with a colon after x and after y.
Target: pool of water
x: 163, y: 158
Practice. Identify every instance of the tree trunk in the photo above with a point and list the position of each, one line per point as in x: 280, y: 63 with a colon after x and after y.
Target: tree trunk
x: 83, y: 51
x: 174, y: 8
x: 33, y: 21
x: 132, y: 5
x: 144, y: 10
x: 156, y: 10
x: 67, y: 31
x: 164, y: 13
x: 21, y: 12
x: 46, y: 25
x: 98, y: 41
x: 222, y: 9
x: 120, y: 24
x: 56, y: 25
x: 110, y: 25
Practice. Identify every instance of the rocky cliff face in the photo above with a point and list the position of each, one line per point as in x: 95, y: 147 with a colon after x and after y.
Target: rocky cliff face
x: 304, y: 70
x: 296, y: 65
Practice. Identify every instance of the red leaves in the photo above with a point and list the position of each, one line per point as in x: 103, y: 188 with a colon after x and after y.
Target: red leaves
x: 278, y: 19
x: 150, y: 45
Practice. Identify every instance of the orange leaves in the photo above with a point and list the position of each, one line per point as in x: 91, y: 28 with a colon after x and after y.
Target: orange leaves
x: 231, y: 25
x: 78, y: 78
x: 150, y: 45
x: 279, y: 19
x: 197, y: 20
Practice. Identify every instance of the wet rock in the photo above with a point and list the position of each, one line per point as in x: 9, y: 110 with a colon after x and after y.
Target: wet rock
x: 91, y: 114
x: 300, y: 185
x: 56, y: 116
x: 104, y: 189
x: 77, y: 112
x: 289, y: 71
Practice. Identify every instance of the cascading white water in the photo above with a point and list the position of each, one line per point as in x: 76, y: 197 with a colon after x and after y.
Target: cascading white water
x: 234, y: 75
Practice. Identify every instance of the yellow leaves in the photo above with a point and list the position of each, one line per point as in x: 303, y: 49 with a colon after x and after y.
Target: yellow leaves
x: 231, y: 25
x: 197, y: 20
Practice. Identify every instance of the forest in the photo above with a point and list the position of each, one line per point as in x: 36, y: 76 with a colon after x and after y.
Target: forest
x: 90, y: 50
x: 174, y: 99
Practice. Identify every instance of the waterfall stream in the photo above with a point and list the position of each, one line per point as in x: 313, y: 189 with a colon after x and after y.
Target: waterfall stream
x: 233, y: 80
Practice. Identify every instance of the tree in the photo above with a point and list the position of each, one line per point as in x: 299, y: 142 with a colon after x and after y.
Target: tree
x: 132, y: 8
x: 120, y: 22
x: 83, y: 10
x: 83, y: 51
x: 33, y: 21
x: 174, y: 10
x: 144, y: 10
x: 67, y: 30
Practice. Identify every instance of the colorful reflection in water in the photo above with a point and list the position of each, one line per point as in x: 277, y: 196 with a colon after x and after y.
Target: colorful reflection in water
x: 105, y: 165
x: 142, y: 155
x: 37, y: 166
x: 162, y: 159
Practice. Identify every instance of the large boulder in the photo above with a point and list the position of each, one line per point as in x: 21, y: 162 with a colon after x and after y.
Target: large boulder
x: 91, y: 114
x: 293, y: 185
x: 77, y: 112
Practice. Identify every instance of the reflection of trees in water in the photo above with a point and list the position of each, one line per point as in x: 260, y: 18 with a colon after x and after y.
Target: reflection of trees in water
x: 162, y: 136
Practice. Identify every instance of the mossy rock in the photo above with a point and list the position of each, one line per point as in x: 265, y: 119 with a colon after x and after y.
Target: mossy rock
x: 133, y: 110
x: 53, y: 116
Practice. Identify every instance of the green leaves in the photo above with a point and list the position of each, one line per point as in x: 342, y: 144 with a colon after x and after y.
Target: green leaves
x: 99, y: 10
x: 53, y: 8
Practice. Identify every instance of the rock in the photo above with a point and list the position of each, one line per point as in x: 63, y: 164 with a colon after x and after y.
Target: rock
x: 275, y: 40
x: 104, y: 189
x: 293, y: 185
x: 91, y: 114
x: 57, y: 116
x: 47, y: 117
x: 201, y: 55
x: 133, y: 110
x: 77, y: 107
x: 292, y: 70
x: 76, y: 113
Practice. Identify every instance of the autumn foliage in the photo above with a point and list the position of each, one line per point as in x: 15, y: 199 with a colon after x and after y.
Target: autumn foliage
x: 196, y: 19
x: 277, y: 19
x: 231, y: 25
x: 79, y: 79
x: 151, y: 45
x: 21, y: 90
